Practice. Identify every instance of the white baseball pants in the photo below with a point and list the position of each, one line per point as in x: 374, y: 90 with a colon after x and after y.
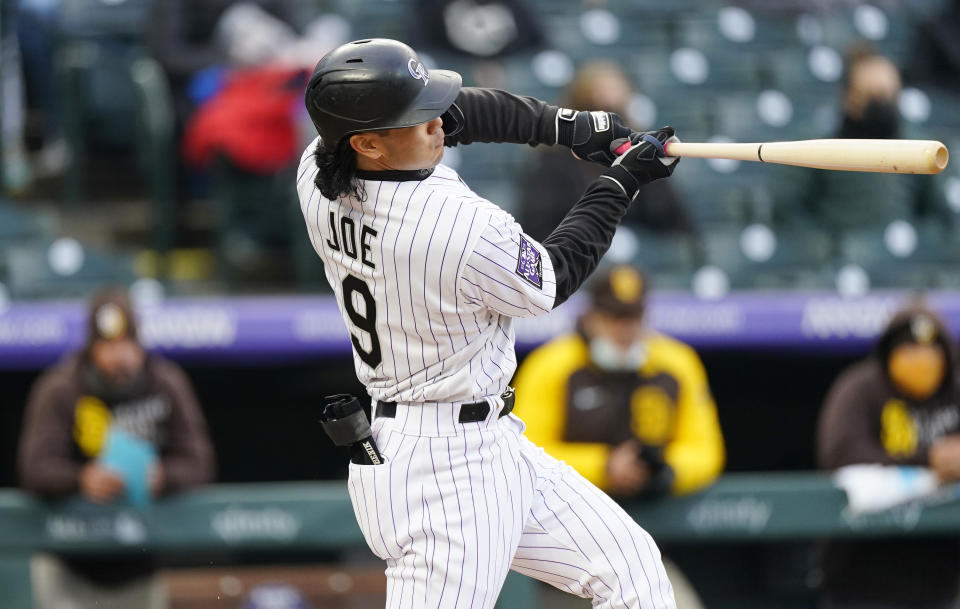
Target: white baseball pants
x: 456, y: 505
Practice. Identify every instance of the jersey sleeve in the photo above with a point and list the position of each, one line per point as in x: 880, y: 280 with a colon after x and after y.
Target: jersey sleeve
x: 493, y: 115
x: 508, y: 271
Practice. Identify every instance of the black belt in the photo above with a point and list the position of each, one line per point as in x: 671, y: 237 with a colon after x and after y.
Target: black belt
x: 469, y: 413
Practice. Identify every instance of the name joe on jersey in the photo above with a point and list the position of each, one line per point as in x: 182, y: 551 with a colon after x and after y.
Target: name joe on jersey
x: 343, y: 238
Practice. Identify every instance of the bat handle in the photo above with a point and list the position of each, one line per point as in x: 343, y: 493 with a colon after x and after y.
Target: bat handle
x: 627, y: 146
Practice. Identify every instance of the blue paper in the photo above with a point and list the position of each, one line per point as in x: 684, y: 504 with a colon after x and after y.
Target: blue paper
x: 131, y: 458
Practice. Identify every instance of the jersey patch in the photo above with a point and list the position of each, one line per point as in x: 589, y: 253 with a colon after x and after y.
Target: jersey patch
x: 529, y: 263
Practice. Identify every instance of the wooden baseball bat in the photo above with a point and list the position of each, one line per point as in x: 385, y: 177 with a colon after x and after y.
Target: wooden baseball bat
x: 886, y: 156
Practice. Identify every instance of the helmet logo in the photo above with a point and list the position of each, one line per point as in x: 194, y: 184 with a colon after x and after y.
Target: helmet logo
x: 418, y: 71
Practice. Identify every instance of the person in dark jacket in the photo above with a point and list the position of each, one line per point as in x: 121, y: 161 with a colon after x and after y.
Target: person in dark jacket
x: 842, y: 201
x: 898, y: 407
x: 935, y: 56
x: 111, y: 386
x: 557, y: 175
x: 183, y: 39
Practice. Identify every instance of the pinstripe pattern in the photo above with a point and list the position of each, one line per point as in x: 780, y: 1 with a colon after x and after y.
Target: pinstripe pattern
x: 469, y: 503
x: 444, y: 281
x: 455, y: 506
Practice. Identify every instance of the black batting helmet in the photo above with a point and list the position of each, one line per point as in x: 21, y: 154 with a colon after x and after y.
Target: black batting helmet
x: 375, y: 84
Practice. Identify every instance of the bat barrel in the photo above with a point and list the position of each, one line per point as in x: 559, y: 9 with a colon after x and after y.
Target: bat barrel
x: 941, y: 157
x: 888, y: 156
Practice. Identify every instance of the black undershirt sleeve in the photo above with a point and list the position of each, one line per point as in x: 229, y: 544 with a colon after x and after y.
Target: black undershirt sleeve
x: 583, y: 236
x: 494, y: 115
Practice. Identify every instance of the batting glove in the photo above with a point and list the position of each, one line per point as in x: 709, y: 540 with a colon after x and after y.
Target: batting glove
x: 589, y: 134
x: 641, y: 160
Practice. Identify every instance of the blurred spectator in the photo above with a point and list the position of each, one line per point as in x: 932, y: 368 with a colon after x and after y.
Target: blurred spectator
x: 184, y: 39
x: 36, y: 26
x: 479, y: 28
x: 557, y: 176
x: 627, y: 407
x: 28, y: 30
x: 262, y: 101
x: 16, y: 168
x: 898, y: 407
x: 838, y: 201
x: 111, y: 387
x: 936, y: 50
x: 238, y: 71
x: 199, y: 42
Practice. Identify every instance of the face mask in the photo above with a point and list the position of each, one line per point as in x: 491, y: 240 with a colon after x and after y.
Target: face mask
x: 607, y: 355
x: 880, y: 120
x: 917, y: 370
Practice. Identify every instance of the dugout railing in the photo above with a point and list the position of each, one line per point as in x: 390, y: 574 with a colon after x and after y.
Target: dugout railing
x: 298, y: 517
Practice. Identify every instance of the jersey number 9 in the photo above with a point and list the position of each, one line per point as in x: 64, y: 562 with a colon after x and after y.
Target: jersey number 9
x: 366, y: 322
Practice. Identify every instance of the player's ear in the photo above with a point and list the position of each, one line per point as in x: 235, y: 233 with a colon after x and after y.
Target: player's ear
x: 367, y: 144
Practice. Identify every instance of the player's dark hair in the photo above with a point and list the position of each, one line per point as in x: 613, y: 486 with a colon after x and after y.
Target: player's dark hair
x: 338, y: 168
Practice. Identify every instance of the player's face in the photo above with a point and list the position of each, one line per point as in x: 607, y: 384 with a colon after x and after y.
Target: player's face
x: 407, y: 148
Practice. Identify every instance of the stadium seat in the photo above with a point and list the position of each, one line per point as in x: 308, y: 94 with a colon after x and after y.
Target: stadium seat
x: 756, y: 257
x: 99, y: 103
x: 721, y: 198
x: 791, y: 68
x: 258, y: 216
x: 376, y: 18
x: 919, y: 243
x: 656, y: 8
x: 775, y: 29
x: 944, y: 111
x: 729, y: 26
x: 94, y: 19
x: 19, y: 225
x: 62, y: 269
x: 908, y: 255
x: 666, y: 255
x: 886, y: 26
x: 97, y: 45
x: 156, y: 146
x: 564, y: 31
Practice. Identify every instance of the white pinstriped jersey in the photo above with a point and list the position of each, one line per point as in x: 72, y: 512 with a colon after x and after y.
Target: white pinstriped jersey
x: 428, y: 276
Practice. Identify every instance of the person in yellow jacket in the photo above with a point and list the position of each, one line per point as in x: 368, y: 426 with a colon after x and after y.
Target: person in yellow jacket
x: 627, y: 407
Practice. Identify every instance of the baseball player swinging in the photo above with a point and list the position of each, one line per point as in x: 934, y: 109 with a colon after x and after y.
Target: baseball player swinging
x: 429, y: 277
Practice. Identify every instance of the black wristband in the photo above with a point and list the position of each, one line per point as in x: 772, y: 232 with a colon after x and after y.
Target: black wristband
x: 566, y: 126
x: 627, y: 182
